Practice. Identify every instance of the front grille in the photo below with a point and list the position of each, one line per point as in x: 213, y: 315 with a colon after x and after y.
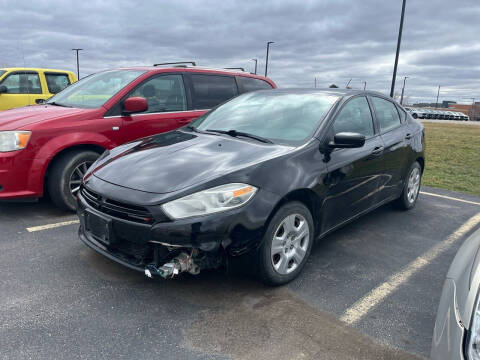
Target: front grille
x: 117, y: 209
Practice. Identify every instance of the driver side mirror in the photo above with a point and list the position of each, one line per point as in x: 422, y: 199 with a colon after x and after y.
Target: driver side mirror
x: 134, y: 105
x: 3, y: 89
x: 345, y: 140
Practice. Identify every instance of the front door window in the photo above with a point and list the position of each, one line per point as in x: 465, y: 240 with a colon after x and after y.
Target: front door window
x: 164, y: 93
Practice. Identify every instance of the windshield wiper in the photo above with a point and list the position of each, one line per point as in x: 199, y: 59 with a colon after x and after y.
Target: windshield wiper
x: 195, y: 129
x: 236, y: 133
x: 57, y: 104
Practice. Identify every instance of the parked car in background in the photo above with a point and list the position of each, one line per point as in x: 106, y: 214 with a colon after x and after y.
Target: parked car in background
x: 50, y: 147
x: 457, y: 327
x: 262, y: 176
x: 415, y: 113
x: 30, y: 86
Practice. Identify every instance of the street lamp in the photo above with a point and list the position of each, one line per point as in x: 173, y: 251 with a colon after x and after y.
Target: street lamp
x: 256, y: 60
x: 266, y: 61
x: 364, y: 85
x: 403, y: 89
x: 392, y: 89
x: 78, y: 66
x: 438, y: 93
x: 473, y: 109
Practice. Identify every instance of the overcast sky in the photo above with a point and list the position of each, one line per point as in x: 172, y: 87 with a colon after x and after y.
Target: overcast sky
x: 332, y: 40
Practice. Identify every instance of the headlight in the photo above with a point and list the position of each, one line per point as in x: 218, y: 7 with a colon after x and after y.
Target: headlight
x: 13, y: 140
x: 220, y: 198
x: 473, y: 345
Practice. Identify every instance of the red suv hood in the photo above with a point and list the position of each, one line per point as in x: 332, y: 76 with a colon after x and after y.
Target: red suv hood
x: 19, y: 118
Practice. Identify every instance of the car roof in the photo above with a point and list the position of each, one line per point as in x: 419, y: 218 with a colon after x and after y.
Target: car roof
x: 328, y: 91
x: 33, y: 69
x: 161, y: 69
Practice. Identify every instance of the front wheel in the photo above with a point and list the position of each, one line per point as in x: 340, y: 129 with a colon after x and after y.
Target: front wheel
x: 411, y: 189
x: 66, y: 176
x: 286, y: 244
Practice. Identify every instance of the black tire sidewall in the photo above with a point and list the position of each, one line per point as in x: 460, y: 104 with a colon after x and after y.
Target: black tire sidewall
x: 59, y: 177
x: 265, y: 267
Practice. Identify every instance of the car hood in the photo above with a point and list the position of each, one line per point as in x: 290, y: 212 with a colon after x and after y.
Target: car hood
x: 176, y: 160
x: 19, y: 118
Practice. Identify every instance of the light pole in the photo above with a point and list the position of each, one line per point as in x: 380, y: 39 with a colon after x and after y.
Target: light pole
x: 78, y: 66
x: 392, y: 89
x: 364, y: 85
x: 315, y: 82
x: 348, y: 83
x: 438, y: 93
x: 473, y: 109
x: 403, y: 89
x: 256, y: 60
x: 266, y: 61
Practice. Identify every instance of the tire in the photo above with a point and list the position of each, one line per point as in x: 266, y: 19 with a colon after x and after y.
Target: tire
x: 66, y: 174
x: 411, y: 189
x: 415, y: 116
x: 290, y: 249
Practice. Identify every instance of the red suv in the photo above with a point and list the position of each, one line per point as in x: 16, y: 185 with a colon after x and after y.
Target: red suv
x: 49, y: 147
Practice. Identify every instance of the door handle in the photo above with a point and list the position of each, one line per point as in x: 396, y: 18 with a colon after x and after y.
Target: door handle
x: 377, y: 150
x: 408, y: 136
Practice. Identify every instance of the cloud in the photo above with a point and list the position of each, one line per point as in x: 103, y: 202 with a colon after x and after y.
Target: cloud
x: 331, y: 40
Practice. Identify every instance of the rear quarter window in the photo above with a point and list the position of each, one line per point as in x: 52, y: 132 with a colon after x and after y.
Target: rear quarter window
x: 250, y: 84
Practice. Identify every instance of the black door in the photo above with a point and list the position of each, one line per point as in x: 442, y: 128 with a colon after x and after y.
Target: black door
x: 352, y: 180
x: 396, y: 139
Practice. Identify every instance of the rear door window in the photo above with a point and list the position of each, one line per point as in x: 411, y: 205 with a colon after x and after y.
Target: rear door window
x: 210, y: 90
x: 251, y: 84
x: 56, y: 82
x: 386, y: 114
x: 23, y: 83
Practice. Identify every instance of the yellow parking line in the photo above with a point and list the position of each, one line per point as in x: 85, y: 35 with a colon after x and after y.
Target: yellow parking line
x: 360, y: 308
x: 450, y: 198
x: 51, y: 226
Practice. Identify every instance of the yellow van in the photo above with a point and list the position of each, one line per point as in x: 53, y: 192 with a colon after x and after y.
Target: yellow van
x: 30, y: 86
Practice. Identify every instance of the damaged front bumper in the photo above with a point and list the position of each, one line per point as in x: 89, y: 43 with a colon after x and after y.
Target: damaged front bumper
x: 156, y: 245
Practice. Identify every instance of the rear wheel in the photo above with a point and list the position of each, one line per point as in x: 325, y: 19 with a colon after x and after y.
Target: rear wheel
x: 411, y: 189
x: 66, y: 176
x: 286, y: 245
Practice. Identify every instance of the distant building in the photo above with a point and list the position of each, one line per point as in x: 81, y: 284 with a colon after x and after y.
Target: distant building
x: 446, y: 103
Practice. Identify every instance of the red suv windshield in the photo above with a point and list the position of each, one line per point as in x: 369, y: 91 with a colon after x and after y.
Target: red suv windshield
x: 95, y: 90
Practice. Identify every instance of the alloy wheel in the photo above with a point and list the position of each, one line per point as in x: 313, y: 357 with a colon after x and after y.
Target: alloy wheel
x: 413, y: 185
x: 77, y: 176
x: 290, y: 244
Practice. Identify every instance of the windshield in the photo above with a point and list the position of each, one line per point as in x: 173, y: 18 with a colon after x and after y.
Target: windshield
x: 95, y: 90
x: 280, y: 117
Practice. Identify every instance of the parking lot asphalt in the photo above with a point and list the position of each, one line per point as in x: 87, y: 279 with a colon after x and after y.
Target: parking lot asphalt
x: 59, y: 299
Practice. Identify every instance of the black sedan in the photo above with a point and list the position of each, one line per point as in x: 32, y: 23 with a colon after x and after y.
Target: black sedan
x: 255, y: 181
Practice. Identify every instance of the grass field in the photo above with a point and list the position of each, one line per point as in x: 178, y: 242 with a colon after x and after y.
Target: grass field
x: 453, y: 157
